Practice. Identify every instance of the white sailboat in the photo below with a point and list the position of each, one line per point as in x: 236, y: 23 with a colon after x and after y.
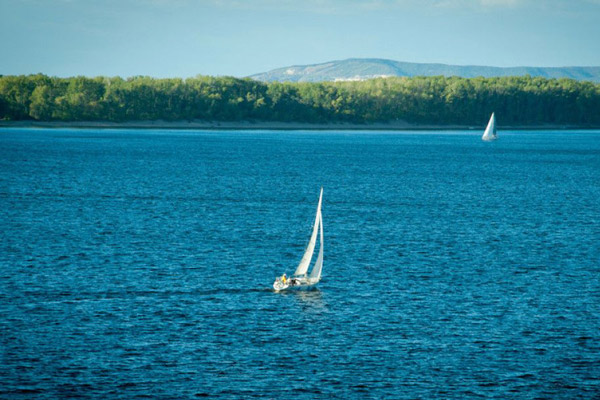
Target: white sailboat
x: 490, y: 131
x: 301, y: 278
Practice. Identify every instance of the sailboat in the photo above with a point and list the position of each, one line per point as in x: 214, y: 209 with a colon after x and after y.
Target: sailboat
x: 490, y: 131
x: 301, y: 278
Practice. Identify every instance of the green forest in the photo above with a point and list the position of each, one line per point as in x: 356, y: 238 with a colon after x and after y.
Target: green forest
x: 424, y: 100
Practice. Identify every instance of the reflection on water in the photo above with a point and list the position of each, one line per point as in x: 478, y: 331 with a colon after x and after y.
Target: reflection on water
x: 310, y: 300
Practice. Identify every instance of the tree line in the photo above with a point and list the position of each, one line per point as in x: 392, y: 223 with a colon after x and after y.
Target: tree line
x: 521, y: 100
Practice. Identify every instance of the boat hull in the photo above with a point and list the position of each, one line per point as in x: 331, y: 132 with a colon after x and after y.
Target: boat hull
x: 295, y: 287
x: 279, y: 285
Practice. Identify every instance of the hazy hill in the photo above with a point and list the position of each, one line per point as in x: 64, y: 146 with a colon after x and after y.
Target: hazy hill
x: 366, y: 68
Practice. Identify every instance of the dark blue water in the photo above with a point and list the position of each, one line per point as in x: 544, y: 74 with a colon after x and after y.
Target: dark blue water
x: 139, y: 264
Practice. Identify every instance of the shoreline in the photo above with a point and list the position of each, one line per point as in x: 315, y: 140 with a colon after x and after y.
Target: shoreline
x: 271, y: 125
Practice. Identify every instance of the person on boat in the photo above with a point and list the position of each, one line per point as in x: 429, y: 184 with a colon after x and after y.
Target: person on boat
x: 283, y: 278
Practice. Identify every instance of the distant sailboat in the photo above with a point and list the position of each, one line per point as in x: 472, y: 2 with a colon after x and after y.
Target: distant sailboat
x: 301, y: 278
x: 490, y: 131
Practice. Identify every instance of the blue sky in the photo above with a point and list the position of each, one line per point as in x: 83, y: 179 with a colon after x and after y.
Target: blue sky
x: 184, y: 38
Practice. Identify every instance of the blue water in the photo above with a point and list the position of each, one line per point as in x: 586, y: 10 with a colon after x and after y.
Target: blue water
x: 138, y: 264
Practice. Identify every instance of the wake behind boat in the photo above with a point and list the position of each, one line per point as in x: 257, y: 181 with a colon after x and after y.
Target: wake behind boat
x: 301, y: 278
x: 490, y: 130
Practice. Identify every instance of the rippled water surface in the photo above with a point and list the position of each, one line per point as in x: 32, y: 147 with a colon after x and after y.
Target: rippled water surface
x: 139, y: 264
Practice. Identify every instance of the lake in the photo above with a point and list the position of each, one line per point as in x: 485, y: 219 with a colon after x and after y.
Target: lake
x: 139, y: 263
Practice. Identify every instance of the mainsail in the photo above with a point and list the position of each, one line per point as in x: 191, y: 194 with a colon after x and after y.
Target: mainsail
x: 315, y: 274
x: 490, y: 131
x: 310, y: 248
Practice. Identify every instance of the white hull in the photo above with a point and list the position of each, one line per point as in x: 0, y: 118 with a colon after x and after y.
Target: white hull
x: 293, y: 284
x: 297, y: 287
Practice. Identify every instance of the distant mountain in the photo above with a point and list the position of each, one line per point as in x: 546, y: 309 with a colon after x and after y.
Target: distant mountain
x: 367, y: 68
